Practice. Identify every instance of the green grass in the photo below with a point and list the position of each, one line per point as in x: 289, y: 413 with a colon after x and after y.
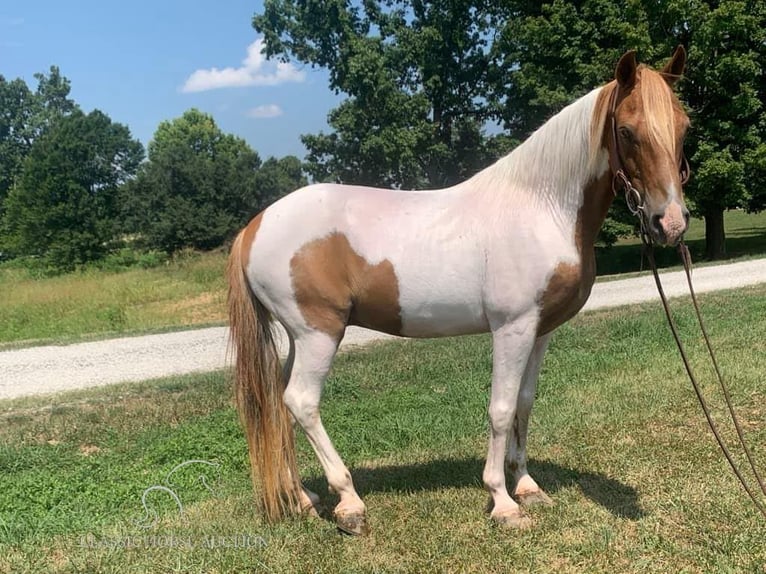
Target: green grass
x: 189, y: 290
x: 745, y: 238
x: 616, y: 438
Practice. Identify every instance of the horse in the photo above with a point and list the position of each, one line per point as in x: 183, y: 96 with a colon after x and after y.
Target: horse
x: 509, y: 251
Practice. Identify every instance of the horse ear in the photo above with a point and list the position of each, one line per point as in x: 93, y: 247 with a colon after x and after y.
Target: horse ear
x: 674, y: 69
x: 625, y: 73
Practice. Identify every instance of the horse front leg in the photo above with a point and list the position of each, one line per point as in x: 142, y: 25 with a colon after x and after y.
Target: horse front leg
x: 527, y: 491
x: 512, y: 344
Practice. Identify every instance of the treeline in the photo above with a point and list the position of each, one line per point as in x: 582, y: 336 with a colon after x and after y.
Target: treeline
x: 424, y: 79
x: 76, y: 186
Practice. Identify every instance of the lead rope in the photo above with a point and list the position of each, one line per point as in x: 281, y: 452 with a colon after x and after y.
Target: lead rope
x: 686, y: 257
x: 649, y: 251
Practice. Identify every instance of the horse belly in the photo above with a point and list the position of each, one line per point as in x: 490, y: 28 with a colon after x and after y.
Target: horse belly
x: 440, y: 299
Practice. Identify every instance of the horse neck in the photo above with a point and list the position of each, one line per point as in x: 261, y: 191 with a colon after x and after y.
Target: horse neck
x: 562, y: 169
x: 597, y: 198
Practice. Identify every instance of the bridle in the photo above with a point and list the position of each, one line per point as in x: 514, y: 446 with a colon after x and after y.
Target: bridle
x: 620, y: 179
x: 635, y: 202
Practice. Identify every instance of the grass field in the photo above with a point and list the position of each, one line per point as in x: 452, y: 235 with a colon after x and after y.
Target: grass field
x: 187, y: 291
x: 190, y: 291
x: 616, y: 438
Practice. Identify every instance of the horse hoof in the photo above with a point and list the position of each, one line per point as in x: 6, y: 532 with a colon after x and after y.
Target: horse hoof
x: 535, y: 497
x: 354, y: 523
x: 514, y: 519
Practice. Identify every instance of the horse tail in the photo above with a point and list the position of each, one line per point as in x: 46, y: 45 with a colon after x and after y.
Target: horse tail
x: 260, y: 385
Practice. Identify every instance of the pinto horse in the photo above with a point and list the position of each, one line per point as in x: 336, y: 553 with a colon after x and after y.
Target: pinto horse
x: 509, y: 251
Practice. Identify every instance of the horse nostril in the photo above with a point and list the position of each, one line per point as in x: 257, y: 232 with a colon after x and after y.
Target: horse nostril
x: 687, y: 216
x: 656, y: 223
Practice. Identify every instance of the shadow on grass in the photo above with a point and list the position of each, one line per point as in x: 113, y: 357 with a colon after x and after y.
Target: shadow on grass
x: 618, y: 498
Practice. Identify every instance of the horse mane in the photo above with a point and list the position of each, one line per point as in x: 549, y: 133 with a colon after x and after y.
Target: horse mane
x: 556, y: 161
x: 567, y: 152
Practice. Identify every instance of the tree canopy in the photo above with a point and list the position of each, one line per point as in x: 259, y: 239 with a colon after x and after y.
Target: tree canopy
x: 24, y: 115
x: 200, y: 185
x: 63, y: 207
x: 416, y: 74
x: 429, y: 86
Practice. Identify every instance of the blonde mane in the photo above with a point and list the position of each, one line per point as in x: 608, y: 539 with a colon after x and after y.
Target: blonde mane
x: 657, y: 96
x: 555, y: 163
x: 567, y: 152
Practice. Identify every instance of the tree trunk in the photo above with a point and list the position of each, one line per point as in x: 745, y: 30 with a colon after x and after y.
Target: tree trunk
x: 715, y: 235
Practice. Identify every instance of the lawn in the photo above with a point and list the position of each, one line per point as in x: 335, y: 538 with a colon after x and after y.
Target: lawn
x: 745, y: 238
x: 617, y: 439
x: 187, y: 291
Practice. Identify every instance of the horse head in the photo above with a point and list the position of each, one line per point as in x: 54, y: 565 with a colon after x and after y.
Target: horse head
x: 646, y: 145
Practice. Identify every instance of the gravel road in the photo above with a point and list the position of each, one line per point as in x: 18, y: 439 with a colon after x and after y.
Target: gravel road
x: 52, y: 369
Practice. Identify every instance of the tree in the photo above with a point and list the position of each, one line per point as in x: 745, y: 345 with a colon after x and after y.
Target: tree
x: 24, y: 116
x: 556, y: 50
x: 415, y: 73
x: 63, y: 207
x: 725, y: 88
x: 196, y: 190
x: 278, y: 177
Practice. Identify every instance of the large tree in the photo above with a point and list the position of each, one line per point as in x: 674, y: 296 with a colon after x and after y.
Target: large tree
x: 63, y: 206
x: 415, y: 74
x: 556, y: 50
x: 24, y: 116
x: 725, y: 89
x: 200, y: 185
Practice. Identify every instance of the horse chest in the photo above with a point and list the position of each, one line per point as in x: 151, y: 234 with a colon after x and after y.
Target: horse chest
x: 565, y: 294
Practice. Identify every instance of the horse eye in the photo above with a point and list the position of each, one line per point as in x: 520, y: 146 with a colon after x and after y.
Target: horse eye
x: 628, y: 136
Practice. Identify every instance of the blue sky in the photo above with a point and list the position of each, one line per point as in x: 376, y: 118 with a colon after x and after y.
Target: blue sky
x: 142, y: 62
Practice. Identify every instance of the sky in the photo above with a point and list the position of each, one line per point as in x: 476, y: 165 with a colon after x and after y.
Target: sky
x: 145, y: 61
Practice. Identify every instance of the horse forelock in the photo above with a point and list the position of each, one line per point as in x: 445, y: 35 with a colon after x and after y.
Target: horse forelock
x: 659, y: 107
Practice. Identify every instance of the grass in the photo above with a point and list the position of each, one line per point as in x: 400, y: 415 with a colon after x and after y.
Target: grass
x: 616, y: 438
x: 187, y: 291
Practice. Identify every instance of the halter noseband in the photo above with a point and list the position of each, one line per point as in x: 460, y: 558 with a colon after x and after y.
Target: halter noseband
x: 620, y: 179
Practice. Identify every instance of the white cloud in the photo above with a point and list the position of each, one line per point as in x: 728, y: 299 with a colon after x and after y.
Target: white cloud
x: 255, y: 70
x: 267, y: 111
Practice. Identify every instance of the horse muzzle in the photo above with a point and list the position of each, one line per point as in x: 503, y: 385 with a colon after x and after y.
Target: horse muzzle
x: 668, y: 226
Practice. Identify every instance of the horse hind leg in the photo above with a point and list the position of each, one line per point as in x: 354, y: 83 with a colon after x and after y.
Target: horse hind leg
x: 526, y: 491
x: 308, y: 500
x: 314, y: 352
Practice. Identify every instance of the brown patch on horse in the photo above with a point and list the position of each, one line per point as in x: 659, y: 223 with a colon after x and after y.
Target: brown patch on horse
x: 248, y: 236
x: 335, y: 286
x: 570, y: 284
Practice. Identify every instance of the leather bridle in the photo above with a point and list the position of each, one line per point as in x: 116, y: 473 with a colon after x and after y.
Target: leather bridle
x: 636, y: 205
x: 620, y: 178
